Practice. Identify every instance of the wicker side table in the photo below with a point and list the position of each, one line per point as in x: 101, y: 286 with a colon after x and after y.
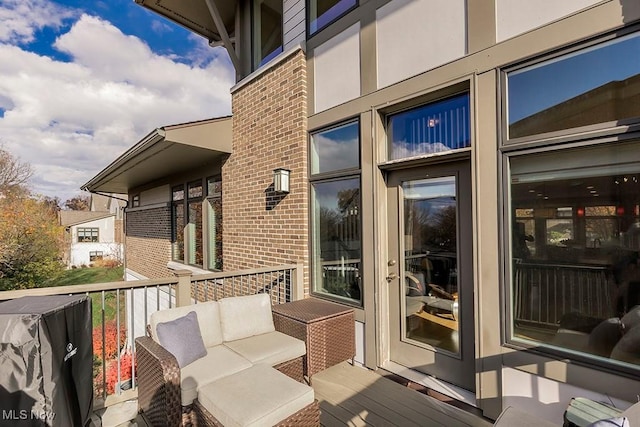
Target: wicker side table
x: 327, y: 328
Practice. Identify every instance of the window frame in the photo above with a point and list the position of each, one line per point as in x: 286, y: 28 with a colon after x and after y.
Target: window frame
x: 595, y: 130
x: 328, y: 24
x: 257, y: 64
x: 562, y: 141
x: 89, y: 230
x: 333, y: 176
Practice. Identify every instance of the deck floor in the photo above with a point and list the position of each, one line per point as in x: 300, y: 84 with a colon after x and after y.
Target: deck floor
x: 354, y: 396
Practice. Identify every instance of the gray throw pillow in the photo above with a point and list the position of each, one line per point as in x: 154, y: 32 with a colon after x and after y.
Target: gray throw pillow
x: 628, y: 348
x: 182, y: 338
x: 632, y: 318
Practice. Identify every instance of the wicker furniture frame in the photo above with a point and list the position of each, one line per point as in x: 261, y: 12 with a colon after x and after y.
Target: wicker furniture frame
x: 328, y: 330
x: 307, y: 416
x: 159, y: 397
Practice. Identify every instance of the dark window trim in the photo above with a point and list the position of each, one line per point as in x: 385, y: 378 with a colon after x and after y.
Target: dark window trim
x: 328, y: 24
x: 259, y: 65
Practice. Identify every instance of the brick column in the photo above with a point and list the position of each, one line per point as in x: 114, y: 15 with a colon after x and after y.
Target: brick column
x: 262, y: 228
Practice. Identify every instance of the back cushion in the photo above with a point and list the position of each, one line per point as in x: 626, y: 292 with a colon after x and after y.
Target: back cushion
x: 243, y: 317
x: 208, y: 320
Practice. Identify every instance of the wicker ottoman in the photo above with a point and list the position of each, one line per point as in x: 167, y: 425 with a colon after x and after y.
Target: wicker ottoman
x: 256, y: 396
x: 328, y: 329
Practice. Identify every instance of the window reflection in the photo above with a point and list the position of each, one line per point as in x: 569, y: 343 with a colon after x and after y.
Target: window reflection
x: 432, y: 128
x: 323, y: 12
x: 267, y: 30
x: 336, y: 238
x: 336, y: 149
x: 595, y: 85
x: 575, y: 245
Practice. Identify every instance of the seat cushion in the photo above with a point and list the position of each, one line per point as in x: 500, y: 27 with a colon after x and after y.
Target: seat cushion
x: 208, y: 319
x: 245, y: 316
x: 218, y: 363
x: 271, y: 348
x: 258, y: 396
x: 182, y: 338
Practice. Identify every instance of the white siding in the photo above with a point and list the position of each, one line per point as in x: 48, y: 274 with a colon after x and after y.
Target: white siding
x: 337, y: 69
x: 515, y: 17
x: 414, y: 36
x: 294, y: 23
x: 546, y: 398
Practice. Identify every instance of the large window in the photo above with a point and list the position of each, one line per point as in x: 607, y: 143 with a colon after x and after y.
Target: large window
x: 336, y: 213
x: 433, y: 128
x: 575, y: 245
x: 267, y: 31
x: 323, y: 12
x: 596, y: 85
x: 88, y: 234
x: 197, y: 223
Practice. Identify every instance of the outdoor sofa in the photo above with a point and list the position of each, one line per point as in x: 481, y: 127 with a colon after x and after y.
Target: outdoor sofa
x: 224, y: 364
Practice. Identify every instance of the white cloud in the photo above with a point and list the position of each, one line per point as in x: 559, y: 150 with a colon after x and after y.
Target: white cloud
x: 19, y: 19
x: 71, y: 119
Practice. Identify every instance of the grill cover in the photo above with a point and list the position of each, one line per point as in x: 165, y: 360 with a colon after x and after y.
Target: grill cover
x: 46, y: 361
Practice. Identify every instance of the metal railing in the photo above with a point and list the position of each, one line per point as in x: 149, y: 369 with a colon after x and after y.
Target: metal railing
x: 544, y: 293
x: 121, y: 310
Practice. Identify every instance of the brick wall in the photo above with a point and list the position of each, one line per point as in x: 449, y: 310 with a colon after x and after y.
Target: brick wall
x: 148, y: 242
x: 262, y: 228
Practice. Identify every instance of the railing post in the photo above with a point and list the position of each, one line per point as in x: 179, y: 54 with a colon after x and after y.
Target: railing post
x: 297, y: 287
x: 183, y: 288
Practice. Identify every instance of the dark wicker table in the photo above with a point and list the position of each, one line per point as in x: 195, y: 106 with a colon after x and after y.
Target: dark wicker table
x: 327, y: 328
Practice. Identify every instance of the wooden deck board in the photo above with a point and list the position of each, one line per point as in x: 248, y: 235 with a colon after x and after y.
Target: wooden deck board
x: 352, y: 395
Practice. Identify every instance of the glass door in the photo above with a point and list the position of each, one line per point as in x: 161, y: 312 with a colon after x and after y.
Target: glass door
x: 430, y: 271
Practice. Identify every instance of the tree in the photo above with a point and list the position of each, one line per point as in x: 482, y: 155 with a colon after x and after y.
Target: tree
x: 78, y: 203
x: 14, y: 174
x: 31, y: 242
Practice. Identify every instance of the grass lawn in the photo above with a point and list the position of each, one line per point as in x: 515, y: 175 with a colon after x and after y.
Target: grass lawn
x: 85, y: 276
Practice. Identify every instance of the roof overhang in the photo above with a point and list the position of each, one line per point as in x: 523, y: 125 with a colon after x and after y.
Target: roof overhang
x: 214, y: 20
x: 164, y: 152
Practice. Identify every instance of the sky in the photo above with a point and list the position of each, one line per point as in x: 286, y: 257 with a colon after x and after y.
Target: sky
x: 83, y: 81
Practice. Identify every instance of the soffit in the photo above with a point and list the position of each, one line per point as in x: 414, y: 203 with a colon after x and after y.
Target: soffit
x: 195, y: 15
x: 164, y: 152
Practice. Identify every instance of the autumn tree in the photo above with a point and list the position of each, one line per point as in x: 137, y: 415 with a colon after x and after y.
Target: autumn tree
x: 30, y: 237
x: 78, y: 203
x: 14, y: 174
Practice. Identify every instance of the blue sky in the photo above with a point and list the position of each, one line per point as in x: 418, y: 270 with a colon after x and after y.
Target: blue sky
x: 82, y: 81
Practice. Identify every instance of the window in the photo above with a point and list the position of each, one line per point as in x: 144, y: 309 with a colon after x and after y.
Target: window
x: 87, y: 234
x: 324, y: 12
x: 214, y: 223
x: 433, y: 128
x: 135, y: 201
x: 95, y: 255
x: 197, y: 223
x: 575, y: 249
x: 267, y: 31
x: 595, y: 85
x: 177, y: 223
x: 336, y: 213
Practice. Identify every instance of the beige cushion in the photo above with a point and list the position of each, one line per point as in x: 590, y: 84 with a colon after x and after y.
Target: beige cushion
x: 271, y: 348
x: 208, y: 320
x: 243, y: 317
x: 258, y: 396
x: 218, y: 363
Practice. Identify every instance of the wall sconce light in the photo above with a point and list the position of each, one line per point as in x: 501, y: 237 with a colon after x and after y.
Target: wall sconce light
x: 281, y: 180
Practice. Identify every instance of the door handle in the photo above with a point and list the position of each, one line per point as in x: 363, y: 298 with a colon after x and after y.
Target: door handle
x: 391, y: 277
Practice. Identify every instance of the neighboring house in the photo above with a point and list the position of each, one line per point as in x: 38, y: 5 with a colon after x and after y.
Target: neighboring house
x: 465, y: 174
x: 94, y: 235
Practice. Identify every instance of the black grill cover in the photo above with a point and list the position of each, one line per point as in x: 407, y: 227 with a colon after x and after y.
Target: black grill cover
x: 46, y: 361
